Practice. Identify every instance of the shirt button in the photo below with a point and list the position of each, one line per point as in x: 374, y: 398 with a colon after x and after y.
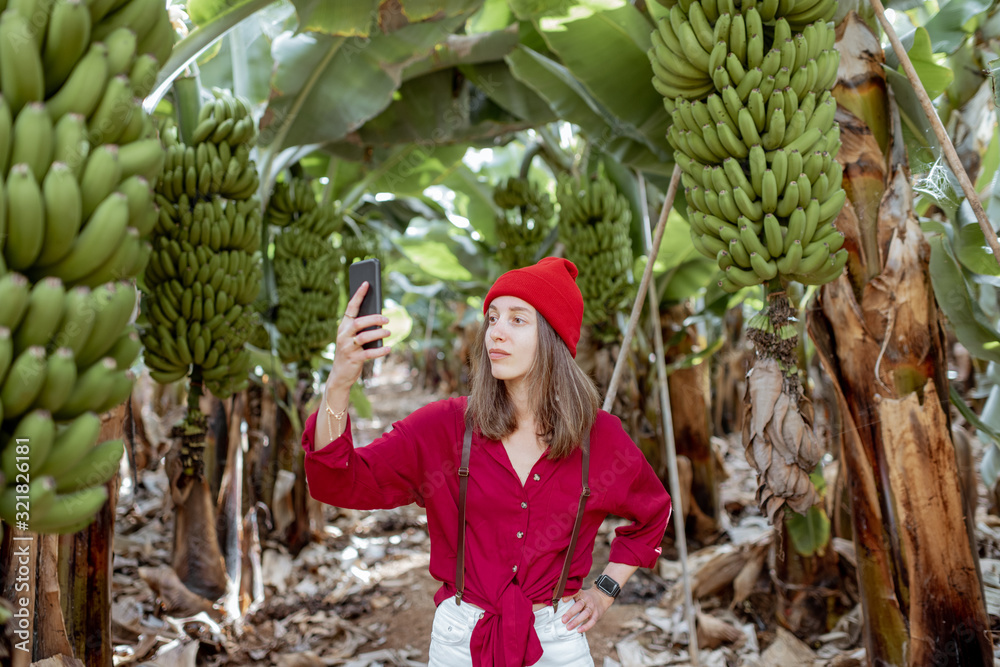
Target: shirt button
x: 520, y: 534
x: 524, y: 506
x: 537, y: 478
x: 514, y: 568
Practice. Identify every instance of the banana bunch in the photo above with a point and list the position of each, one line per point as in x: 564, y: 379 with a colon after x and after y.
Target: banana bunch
x: 68, y: 471
x: 289, y: 200
x: 526, y: 218
x: 77, y: 152
x: 65, y: 357
x: 594, y: 220
x: 218, y: 161
x: 754, y: 133
x: 203, y: 272
x: 304, y: 261
x: 206, y: 169
x: 64, y: 351
x: 78, y: 161
x: 226, y: 120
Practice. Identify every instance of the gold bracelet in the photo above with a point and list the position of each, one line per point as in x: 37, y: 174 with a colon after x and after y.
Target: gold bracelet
x: 339, y: 416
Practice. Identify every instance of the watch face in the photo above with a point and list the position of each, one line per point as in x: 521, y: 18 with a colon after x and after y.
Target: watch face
x: 608, y: 585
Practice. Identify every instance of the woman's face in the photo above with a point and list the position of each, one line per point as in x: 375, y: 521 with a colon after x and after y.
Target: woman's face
x: 511, y: 337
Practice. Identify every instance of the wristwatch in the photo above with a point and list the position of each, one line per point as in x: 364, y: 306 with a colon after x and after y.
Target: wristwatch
x: 608, y: 586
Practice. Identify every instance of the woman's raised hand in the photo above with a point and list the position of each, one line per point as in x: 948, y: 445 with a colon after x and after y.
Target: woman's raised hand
x: 350, y: 356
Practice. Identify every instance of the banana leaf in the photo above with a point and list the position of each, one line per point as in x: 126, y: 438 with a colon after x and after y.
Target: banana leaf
x: 219, y: 18
x: 441, y: 108
x: 325, y: 87
x: 973, y: 329
x: 338, y: 18
x: 605, y: 49
x: 422, y: 10
x: 497, y: 82
x: 442, y: 251
x: 473, y: 201
x: 493, y: 15
x: 571, y: 102
x: 219, y: 72
x: 949, y: 27
x: 465, y: 50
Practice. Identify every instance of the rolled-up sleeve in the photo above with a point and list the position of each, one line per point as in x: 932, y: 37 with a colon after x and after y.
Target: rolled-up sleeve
x: 383, y: 475
x: 647, y: 504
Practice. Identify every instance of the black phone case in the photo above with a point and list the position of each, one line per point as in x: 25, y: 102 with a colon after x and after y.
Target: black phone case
x: 370, y: 270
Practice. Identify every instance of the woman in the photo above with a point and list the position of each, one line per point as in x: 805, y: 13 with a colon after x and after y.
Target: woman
x: 526, y: 539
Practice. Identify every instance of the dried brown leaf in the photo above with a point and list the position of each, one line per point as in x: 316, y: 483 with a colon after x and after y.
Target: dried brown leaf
x: 60, y: 660
x: 746, y: 580
x: 176, y: 599
x: 781, y: 445
x: 713, y: 632
x: 764, y: 383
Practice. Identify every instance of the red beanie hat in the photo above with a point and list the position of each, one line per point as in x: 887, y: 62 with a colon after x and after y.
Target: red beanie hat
x: 549, y: 286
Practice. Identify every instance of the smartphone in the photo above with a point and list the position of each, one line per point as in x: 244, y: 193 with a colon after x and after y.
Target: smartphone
x: 368, y: 270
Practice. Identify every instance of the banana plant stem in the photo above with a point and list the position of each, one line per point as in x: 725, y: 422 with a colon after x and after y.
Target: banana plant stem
x: 947, y: 147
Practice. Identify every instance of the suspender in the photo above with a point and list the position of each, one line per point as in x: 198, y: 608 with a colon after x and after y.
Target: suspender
x: 463, y: 487
x: 584, y: 493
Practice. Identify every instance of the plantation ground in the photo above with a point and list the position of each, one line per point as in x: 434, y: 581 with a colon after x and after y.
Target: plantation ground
x: 362, y: 595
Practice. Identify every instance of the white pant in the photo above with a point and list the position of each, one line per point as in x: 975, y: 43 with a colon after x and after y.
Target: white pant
x: 452, y: 632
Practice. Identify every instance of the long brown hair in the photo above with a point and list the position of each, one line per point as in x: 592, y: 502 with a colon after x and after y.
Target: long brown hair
x: 564, y: 398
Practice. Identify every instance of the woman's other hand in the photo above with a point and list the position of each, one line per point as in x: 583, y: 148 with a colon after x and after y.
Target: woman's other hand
x: 588, y: 607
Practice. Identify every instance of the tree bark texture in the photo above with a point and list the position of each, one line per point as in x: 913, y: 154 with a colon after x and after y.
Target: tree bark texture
x: 690, y: 398
x: 878, y: 335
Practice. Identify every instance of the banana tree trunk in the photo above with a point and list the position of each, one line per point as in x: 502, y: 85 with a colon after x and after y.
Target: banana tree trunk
x: 878, y: 335
x: 197, y: 556
x: 690, y: 398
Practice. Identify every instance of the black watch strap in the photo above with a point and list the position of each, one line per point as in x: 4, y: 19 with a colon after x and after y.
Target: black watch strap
x: 608, y: 586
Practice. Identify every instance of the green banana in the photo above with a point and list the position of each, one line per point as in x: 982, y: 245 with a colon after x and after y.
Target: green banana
x: 97, y: 242
x: 114, y: 303
x: 125, y: 350
x: 84, y: 88
x: 101, y: 175
x: 70, y: 144
x: 25, y: 234
x: 71, y: 443
x: 72, y: 512
x: 22, y: 77
x: 67, y: 39
x: 63, y: 213
x: 121, y: 43
x: 96, y: 468
x: 139, y: 15
x: 14, y: 293
x: 27, y: 505
x: 46, y: 306
x: 143, y: 75
x: 773, y: 236
x: 116, y: 106
x: 32, y: 139
x: 60, y: 376
x: 91, y: 389
x: 6, y: 357
x: 77, y: 321
x: 23, y: 382
x: 789, y: 262
x: 121, y: 389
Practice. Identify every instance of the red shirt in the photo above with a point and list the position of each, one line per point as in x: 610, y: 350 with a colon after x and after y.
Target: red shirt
x: 516, y: 536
